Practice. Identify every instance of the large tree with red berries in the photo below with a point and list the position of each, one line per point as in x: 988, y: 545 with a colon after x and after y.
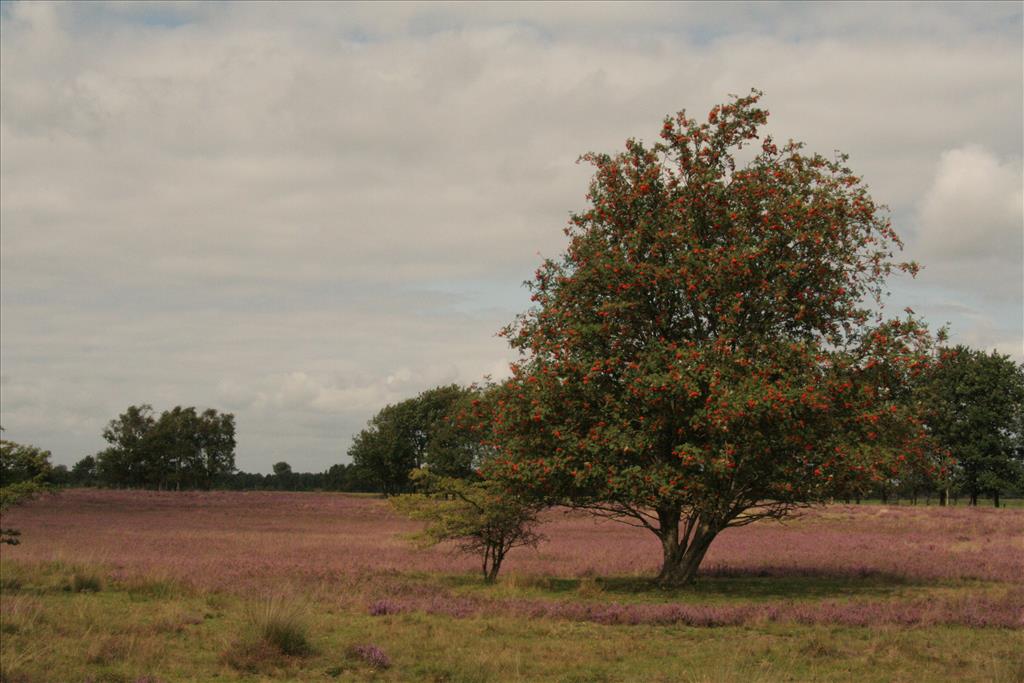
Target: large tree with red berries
x: 709, y: 351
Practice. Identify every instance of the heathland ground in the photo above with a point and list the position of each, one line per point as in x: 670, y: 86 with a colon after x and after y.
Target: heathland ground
x: 157, y: 586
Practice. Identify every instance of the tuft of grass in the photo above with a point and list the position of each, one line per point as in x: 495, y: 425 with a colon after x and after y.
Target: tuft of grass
x: 85, y: 581
x: 281, y: 624
x: 276, y: 630
x: 589, y: 587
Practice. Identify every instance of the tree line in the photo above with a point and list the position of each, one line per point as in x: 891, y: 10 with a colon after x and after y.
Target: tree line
x: 183, y: 448
x: 972, y: 400
x: 974, y: 403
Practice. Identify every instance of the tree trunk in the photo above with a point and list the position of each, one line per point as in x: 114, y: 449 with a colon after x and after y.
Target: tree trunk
x: 995, y: 498
x: 943, y: 497
x: 487, y: 564
x: 682, y: 557
x: 492, y: 562
x: 974, y: 499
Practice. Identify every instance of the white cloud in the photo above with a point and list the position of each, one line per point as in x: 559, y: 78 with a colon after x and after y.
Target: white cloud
x: 974, y: 208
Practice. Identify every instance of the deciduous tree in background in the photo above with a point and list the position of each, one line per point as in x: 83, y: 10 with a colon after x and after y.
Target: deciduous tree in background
x: 975, y: 409
x: 704, y: 353
x: 417, y: 432
x: 129, y: 461
x: 180, y: 449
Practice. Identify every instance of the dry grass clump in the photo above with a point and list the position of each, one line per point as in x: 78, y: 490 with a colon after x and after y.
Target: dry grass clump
x: 85, y: 581
x: 275, y: 632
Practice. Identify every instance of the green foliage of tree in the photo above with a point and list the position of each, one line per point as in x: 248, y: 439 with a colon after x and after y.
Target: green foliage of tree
x: 85, y: 472
x: 181, y: 449
x: 707, y: 352
x: 976, y: 411
x: 130, y: 460
x: 283, y: 476
x: 418, y: 431
x: 482, y: 517
x: 25, y: 473
x: 454, y: 444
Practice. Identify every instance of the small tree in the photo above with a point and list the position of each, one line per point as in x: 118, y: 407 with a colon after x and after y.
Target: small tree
x: 482, y: 517
x: 24, y: 474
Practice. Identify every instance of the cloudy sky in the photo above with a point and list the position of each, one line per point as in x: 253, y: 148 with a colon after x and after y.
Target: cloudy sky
x: 299, y: 213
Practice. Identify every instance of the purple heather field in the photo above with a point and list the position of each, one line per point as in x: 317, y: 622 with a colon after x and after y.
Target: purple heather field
x: 354, y: 550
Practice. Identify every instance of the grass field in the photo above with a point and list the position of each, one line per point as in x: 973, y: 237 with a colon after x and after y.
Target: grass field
x: 147, y: 586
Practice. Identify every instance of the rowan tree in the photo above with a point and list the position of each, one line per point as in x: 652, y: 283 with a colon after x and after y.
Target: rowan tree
x: 708, y: 351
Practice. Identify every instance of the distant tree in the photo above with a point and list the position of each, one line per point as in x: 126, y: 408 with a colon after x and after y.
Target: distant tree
x: 347, y: 477
x: 190, y: 450
x: 84, y: 472
x: 378, y: 451
x: 180, y: 449
x: 130, y: 460
x: 60, y: 476
x: 25, y: 472
x: 282, y: 475
x: 481, y: 517
x: 216, y: 438
x: 244, y: 481
x: 976, y: 411
x: 409, y: 434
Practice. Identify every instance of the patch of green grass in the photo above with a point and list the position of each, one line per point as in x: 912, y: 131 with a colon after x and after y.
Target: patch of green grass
x: 182, y: 635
